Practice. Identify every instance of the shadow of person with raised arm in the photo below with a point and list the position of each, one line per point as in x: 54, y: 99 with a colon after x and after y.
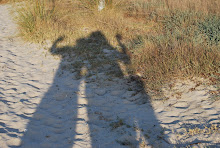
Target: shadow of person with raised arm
x: 54, y: 121
x: 85, y: 106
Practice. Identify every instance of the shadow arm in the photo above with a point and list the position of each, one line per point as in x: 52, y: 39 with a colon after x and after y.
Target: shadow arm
x: 124, y: 49
x: 54, y: 49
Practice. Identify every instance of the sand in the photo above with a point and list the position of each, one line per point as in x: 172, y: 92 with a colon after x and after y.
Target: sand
x: 43, y: 105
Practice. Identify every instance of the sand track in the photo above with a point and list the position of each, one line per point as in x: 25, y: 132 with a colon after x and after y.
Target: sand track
x: 42, y: 105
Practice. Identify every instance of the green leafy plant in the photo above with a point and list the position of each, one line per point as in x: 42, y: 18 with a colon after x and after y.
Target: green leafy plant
x: 211, y: 29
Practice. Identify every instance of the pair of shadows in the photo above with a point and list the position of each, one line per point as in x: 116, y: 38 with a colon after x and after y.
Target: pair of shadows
x: 54, y: 122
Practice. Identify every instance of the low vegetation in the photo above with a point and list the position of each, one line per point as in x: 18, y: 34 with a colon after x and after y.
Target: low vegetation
x: 9, y: 1
x: 164, y: 39
x: 205, y: 130
x: 3, y: 1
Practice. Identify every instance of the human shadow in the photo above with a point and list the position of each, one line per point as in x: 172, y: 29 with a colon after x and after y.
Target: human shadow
x: 87, y: 73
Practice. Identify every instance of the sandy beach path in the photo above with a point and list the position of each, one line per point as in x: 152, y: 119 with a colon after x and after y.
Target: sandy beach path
x: 44, y: 105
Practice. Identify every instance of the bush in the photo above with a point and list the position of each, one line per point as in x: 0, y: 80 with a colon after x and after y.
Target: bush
x: 211, y: 29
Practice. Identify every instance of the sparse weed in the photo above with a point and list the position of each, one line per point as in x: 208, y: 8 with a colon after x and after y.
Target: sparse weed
x: 206, y: 130
x: 125, y: 142
x: 117, y: 124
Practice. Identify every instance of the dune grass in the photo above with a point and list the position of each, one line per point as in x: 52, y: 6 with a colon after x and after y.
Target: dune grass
x: 9, y: 1
x: 165, y: 39
x: 4, y: 1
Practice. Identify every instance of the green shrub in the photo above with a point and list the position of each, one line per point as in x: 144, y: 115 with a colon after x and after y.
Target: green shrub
x: 177, y: 49
x: 210, y: 27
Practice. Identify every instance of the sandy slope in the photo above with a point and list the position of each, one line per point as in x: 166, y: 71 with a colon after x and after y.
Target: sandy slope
x: 44, y: 105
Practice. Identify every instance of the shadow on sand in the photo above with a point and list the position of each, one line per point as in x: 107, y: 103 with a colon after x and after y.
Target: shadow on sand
x: 74, y: 112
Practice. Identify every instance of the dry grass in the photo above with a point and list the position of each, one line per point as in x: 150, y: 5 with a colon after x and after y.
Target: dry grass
x: 4, y: 1
x: 9, y: 1
x: 206, y: 130
x: 164, y: 38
